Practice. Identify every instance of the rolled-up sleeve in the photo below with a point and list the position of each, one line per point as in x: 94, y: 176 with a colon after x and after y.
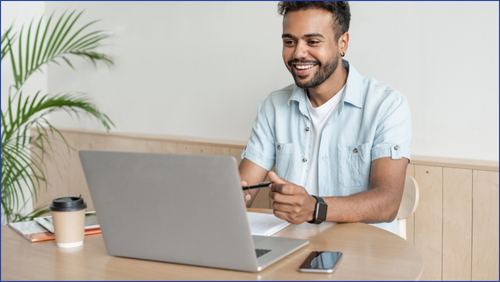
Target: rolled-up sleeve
x: 393, y: 132
x: 260, y: 148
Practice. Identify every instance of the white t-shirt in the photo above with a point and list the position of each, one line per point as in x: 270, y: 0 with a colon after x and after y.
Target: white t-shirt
x: 319, y: 116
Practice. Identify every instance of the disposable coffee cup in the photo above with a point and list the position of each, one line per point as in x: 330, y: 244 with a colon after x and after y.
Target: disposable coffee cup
x: 68, y: 217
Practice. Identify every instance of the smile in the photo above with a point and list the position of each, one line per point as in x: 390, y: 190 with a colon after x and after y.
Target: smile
x: 304, y: 67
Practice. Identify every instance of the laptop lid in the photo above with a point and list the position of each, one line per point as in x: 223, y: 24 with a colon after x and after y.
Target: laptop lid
x: 186, y: 209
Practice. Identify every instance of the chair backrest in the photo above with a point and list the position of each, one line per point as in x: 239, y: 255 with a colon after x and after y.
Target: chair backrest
x: 408, y: 205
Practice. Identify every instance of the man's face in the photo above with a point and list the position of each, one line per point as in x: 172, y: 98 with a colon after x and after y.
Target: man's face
x: 310, y: 51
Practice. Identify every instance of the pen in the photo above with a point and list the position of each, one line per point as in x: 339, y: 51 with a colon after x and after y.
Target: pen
x: 257, y: 186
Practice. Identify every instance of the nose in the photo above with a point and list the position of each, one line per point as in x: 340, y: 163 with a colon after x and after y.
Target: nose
x: 300, y: 50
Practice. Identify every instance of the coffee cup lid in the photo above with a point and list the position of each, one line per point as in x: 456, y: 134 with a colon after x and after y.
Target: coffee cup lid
x: 68, y: 204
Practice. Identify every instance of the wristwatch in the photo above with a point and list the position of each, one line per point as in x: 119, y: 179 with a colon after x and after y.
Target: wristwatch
x: 319, y: 211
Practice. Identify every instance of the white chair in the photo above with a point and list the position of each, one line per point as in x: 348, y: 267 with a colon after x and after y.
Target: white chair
x: 408, y: 205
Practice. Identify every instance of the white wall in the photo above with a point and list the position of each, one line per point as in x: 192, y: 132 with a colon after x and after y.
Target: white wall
x: 20, y: 13
x: 200, y: 68
x: 444, y: 57
x: 182, y: 68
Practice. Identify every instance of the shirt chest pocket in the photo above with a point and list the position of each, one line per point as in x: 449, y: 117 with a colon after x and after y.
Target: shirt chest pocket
x: 284, y: 159
x: 354, y: 165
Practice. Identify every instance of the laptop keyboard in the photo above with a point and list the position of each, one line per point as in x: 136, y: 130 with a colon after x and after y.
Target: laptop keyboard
x: 261, y: 252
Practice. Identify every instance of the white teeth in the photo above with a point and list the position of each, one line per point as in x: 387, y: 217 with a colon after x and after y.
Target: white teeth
x: 304, y: 67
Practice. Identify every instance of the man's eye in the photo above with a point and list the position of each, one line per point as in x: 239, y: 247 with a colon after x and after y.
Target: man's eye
x: 288, y: 42
x: 314, y: 42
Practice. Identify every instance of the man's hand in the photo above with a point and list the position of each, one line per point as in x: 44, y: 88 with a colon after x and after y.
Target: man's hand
x: 253, y: 174
x: 246, y: 194
x: 291, y: 202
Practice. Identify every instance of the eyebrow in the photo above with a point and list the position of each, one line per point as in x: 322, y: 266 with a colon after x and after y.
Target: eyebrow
x: 305, y: 36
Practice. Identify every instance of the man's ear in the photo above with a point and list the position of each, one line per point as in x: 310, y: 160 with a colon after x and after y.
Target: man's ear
x: 344, y: 42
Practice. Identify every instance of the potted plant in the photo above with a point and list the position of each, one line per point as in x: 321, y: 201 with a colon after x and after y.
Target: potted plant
x: 54, y: 42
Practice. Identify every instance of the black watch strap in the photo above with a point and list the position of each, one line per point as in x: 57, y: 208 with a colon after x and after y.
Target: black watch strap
x: 320, y: 211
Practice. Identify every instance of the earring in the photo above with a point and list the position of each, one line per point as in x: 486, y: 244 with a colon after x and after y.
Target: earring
x: 343, y: 54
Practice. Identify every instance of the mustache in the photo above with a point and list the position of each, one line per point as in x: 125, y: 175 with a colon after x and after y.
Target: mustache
x: 297, y: 61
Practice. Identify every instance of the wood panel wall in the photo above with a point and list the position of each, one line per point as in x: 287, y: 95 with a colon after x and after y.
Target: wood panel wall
x: 455, y: 227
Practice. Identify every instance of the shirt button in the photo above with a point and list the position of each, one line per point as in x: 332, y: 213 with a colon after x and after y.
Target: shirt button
x: 304, y: 160
x: 279, y: 147
x: 355, y: 151
x: 307, y: 128
x: 396, y: 147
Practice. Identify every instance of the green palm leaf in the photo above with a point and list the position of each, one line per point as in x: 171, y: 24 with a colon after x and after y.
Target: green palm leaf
x: 5, y: 41
x: 18, y: 168
x: 52, y: 43
x: 23, y: 169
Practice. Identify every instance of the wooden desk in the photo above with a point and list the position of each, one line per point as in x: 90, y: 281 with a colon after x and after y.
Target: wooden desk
x: 370, y: 253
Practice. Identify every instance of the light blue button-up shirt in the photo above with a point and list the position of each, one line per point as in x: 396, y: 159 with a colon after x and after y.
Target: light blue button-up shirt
x: 372, y: 121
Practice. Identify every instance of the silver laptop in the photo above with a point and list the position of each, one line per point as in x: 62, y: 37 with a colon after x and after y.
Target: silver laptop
x: 186, y: 209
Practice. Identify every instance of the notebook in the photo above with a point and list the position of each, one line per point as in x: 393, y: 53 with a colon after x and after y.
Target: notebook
x: 32, y: 231
x: 265, y: 224
x: 186, y: 209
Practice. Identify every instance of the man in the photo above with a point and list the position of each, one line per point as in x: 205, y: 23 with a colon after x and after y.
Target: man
x: 340, y: 141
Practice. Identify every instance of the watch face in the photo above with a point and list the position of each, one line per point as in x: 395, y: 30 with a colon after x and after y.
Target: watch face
x: 322, y: 209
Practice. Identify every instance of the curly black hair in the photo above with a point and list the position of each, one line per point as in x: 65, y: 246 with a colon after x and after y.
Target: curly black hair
x: 341, y: 13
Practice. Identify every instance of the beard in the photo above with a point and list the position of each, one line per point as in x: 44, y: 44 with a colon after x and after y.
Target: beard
x: 323, y: 73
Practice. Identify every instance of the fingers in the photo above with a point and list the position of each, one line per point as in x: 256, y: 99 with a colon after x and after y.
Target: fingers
x: 280, y: 185
x: 289, y: 213
x: 247, y: 196
x: 299, y: 199
x: 290, y: 202
x: 275, y: 178
x: 288, y: 189
x: 294, y: 213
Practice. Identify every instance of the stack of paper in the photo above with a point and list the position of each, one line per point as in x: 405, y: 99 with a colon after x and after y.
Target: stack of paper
x: 264, y: 224
x: 42, y: 228
x: 32, y: 231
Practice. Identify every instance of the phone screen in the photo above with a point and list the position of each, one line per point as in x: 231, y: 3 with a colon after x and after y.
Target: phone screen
x: 321, y: 262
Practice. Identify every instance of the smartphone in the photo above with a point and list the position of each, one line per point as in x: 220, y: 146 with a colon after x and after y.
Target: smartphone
x: 321, y: 262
